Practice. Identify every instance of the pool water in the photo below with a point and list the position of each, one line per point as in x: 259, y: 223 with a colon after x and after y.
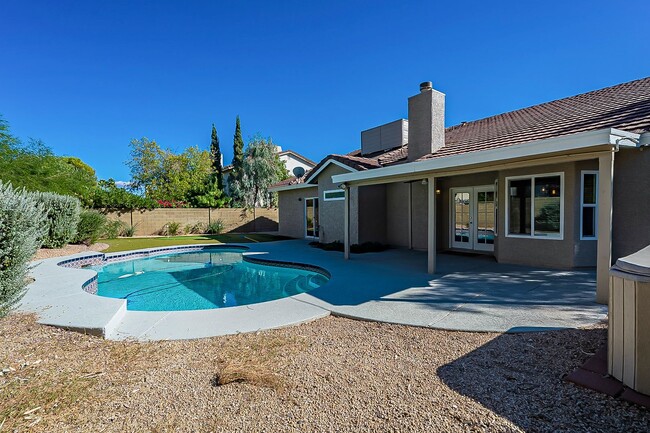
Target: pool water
x: 200, y: 280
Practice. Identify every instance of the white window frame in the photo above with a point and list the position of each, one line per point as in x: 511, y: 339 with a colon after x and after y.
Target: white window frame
x: 532, y: 235
x: 306, y: 199
x: 584, y: 205
x: 335, y: 198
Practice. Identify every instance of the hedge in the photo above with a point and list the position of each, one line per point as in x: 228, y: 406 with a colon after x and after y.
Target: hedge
x: 90, y: 227
x: 62, y: 218
x: 22, y: 226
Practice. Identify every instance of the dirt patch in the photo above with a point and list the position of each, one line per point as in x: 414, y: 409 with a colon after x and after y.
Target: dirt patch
x: 48, y: 253
x: 333, y: 374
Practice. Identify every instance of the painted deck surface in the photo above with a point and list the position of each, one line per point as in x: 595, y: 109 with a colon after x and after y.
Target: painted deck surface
x: 467, y: 293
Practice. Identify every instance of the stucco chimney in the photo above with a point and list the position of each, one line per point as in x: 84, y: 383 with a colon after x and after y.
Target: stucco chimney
x: 426, y: 132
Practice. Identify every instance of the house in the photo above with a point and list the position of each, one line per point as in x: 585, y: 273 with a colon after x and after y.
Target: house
x: 564, y: 184
x: 296, y: 165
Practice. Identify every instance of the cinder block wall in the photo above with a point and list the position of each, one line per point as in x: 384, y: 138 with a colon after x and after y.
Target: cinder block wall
x: 151, y: 222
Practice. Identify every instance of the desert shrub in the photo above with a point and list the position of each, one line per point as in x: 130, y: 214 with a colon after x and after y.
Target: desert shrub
x: 215, y: 227
x: 332, y: 246
x: 113, y: 229
x: 90, y: 227
x: 22, y: 226
x: 198, y: 228
x: 172, y: 228
x: 63, y: 214
x: 128, y: 231
x: 366, y: 247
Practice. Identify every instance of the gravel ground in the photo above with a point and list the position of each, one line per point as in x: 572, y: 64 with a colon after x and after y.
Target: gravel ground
x: 330, y: 375
x: 48, y: 253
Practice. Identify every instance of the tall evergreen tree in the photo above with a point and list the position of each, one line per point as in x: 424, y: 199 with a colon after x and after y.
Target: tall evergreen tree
x: 237, y: 162
x: 215, y: 155
x: 237, y: 149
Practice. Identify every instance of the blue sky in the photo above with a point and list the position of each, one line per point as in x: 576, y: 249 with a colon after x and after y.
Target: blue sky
x: 86, y: 77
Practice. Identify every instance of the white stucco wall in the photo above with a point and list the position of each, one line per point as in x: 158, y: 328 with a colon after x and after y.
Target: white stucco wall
x: 292, y: 163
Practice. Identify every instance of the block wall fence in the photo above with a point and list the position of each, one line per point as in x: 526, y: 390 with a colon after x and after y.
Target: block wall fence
x: 151, y: 222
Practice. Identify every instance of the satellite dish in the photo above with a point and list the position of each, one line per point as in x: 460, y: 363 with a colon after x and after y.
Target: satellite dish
x: 299, y: 171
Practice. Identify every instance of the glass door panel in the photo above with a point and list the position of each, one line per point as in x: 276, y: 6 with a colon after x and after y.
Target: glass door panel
x: 461, y: 219
x: 485, y: 219
x: 311, y: 217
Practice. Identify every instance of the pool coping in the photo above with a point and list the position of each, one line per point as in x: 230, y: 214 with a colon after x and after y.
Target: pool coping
x: 466, y: 294
x: 63, y: 295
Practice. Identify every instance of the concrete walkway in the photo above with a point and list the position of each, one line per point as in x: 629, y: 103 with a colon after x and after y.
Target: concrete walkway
x: 467, y: 293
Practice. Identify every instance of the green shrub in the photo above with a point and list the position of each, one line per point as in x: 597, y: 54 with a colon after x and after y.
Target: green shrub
x: 112, y: 229
x: 171, y: 228
x: 90, y: 227
x: 366, y: 247
x: 215, y: 227
x: 22, y: 226
x: 129, y: 231
x: 198, y: 228
x: 62, y: 218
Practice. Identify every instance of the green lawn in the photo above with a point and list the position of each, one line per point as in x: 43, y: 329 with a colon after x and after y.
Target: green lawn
x: 127, y: 244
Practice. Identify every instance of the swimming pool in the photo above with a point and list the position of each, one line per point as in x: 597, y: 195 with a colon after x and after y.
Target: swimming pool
x: 202, y: 280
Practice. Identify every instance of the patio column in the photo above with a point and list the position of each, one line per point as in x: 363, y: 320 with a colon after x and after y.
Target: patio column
x: 431, y: 231
x: 604, y: 261
x: 346, y: 224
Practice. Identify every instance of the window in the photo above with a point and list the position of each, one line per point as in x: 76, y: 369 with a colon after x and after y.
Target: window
x: 334, y: 194
x: 534, y: 207
x: 589, y: 205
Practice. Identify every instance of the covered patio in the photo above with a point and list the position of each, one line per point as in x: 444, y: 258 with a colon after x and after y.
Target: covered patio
x: 468, y: 292
x: 562, y: 159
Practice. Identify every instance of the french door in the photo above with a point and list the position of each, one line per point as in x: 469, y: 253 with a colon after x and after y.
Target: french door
x: 473, y: 218
x: 311, y: 218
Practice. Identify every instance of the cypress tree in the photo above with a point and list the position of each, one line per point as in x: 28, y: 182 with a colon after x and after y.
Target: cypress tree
x: 215, y: 155
x: 237, y: 152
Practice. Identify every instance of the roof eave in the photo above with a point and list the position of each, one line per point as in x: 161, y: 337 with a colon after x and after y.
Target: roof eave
x: 581, y: 140
x: 291, y: 187
x: 325, y: 163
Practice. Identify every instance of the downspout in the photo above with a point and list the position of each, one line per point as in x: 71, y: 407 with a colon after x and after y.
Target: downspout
x: 410, y: 203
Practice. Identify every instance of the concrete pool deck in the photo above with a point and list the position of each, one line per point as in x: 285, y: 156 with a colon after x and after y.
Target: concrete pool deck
x: 468, y: 293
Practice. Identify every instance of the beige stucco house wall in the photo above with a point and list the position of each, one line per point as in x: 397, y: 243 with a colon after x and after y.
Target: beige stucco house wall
x: 331, y: 211
x: 631, y: 209
x: 291, y: 205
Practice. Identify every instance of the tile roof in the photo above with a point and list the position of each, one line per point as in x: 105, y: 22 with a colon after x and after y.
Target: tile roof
x: 293, y: 180
x: 356, y: 162
x: 624, y: 106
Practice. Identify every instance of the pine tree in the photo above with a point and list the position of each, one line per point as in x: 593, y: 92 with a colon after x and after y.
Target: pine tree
x: 215, y: 155
x: 237, y: 150
x: 237, y: 173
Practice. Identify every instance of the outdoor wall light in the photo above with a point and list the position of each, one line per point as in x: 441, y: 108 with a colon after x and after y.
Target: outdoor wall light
x: 342, y: 186
x: 437, y: 191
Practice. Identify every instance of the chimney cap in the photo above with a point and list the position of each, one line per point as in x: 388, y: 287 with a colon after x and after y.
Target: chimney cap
x: 426, y: 85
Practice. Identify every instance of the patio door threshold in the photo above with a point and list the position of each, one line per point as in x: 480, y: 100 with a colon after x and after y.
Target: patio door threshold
x: 468, y: 252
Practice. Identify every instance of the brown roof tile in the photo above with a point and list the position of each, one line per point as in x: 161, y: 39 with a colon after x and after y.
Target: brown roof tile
x: 355, y: 162
x: 625, y: 106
